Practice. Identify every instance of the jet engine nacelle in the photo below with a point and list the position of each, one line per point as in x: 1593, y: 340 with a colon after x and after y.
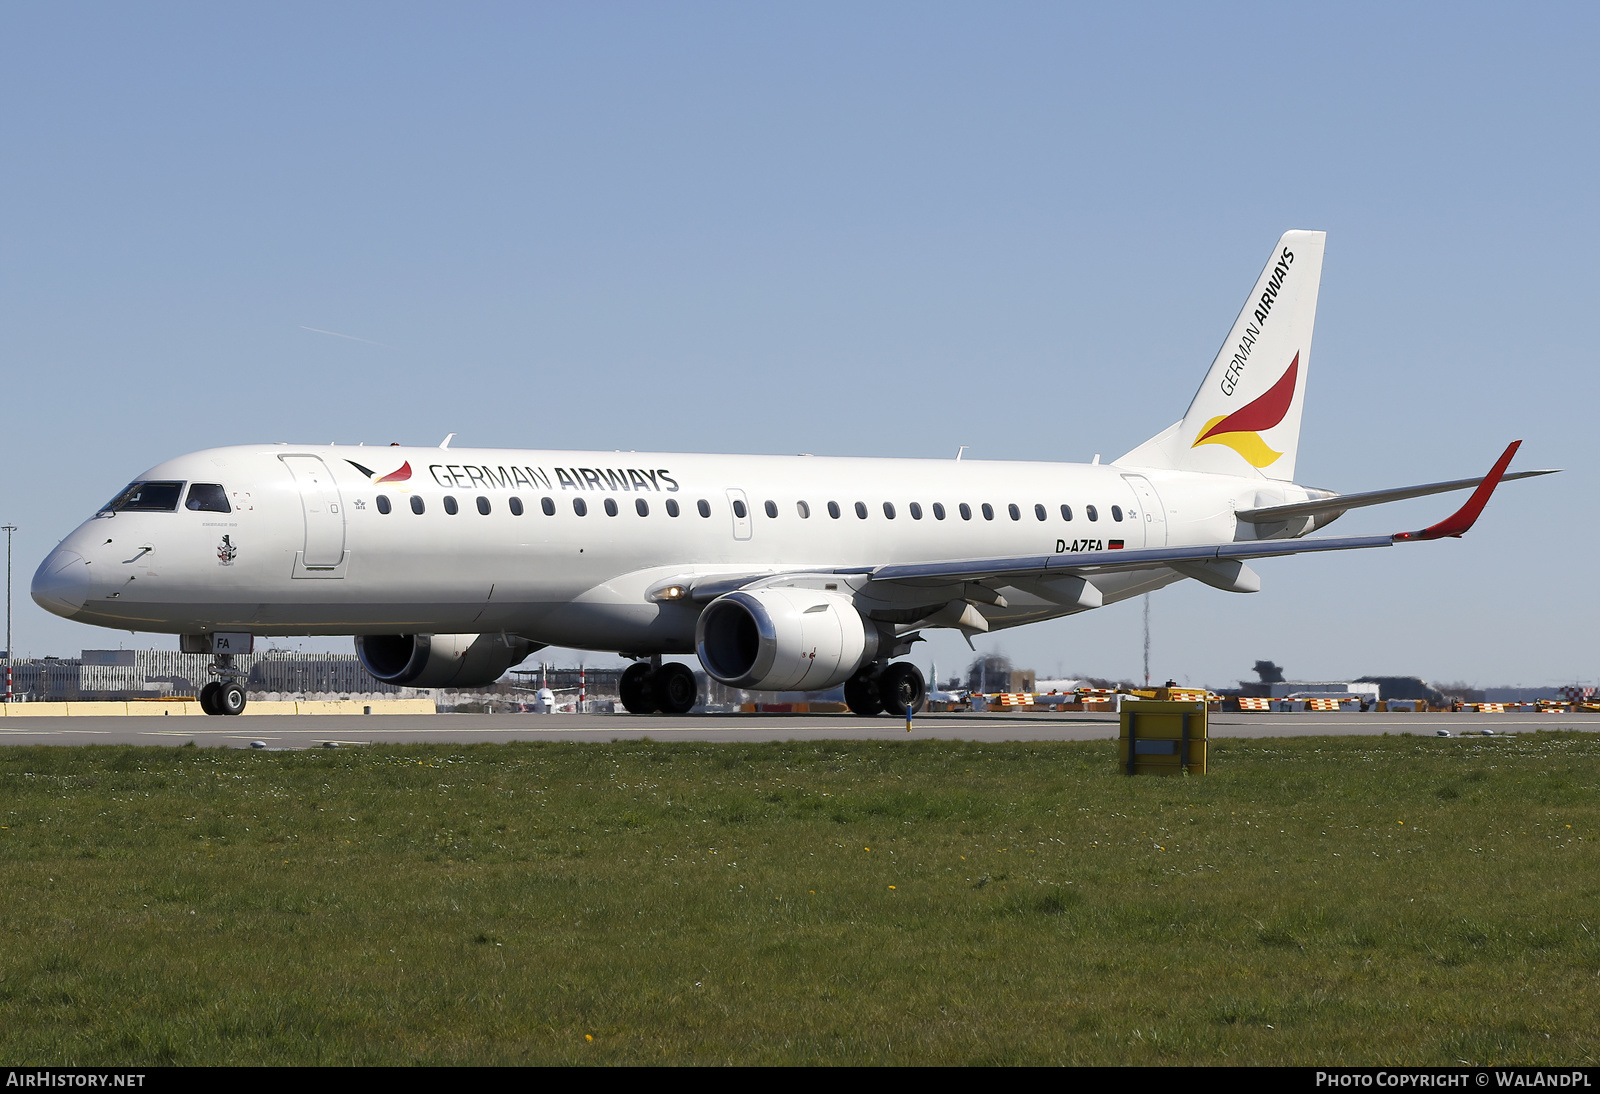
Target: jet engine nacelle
x: 783, y: 639
x: 441, y: 660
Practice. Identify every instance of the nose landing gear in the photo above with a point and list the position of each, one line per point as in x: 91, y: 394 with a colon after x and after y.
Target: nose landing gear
x: 224, y: 696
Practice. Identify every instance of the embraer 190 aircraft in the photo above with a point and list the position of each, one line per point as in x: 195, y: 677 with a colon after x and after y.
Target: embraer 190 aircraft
x: 783, y: 573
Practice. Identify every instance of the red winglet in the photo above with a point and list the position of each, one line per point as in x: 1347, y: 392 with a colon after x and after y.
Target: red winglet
x: 1457, y: 523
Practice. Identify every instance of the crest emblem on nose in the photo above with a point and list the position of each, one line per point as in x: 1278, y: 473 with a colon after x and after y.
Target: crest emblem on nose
x: 226, y: 550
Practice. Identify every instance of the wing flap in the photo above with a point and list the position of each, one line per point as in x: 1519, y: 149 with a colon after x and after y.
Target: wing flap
x: 1093, y: 562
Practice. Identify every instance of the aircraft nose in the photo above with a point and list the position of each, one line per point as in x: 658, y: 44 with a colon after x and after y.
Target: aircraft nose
x: 61, y: 584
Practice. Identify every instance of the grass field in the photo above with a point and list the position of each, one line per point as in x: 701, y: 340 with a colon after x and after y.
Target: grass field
x: 1351, y: 900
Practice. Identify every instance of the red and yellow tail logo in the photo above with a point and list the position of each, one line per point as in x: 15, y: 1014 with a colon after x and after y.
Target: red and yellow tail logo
x: 1241, y: 430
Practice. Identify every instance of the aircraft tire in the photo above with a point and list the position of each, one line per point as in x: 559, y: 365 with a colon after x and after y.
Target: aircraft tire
x: 208, y: 697
x: 861, y: 694
x: 229, y: 699
x: 676, y: 688
x: 637, y: 689
x: 902, y: 686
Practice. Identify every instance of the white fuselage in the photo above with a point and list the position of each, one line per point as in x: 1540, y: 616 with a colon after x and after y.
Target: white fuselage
x: 305, y: 547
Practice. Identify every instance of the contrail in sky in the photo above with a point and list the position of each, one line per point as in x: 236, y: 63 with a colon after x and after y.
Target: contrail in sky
x: 336, y: 334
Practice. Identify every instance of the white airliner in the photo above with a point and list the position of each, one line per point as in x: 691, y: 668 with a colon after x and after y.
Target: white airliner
x: 782, y: 573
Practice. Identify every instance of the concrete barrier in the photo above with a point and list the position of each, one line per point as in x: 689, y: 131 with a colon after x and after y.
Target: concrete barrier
x: 138, y: 708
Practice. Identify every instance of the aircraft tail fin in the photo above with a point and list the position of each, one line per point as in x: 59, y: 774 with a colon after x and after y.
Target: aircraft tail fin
x: 1245, y: 419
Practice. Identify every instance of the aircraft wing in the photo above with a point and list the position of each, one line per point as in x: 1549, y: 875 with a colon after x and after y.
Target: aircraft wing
x: 1086, y: 563
x: 1338, y: 503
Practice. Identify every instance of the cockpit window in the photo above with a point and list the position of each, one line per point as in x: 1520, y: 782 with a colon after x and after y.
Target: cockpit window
x: 159, y: 497
x: 208, y: 497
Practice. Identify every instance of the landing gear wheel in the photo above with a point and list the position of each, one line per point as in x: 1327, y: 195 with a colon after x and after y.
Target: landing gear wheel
x: 637, y: 688
x: 229, y: 699
x: 902, y: 686
x: 861, y: 693
x: 208, y: 697
x: 676, y: 689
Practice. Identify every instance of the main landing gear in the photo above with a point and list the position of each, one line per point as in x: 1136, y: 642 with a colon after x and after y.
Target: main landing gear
x: 224, y: 696
x: 647, y: 688
x: 876, y: 688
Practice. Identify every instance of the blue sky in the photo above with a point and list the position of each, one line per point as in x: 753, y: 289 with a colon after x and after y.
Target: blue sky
x: 884, y: 229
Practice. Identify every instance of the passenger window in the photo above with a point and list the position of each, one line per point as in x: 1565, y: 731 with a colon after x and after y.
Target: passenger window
x: 147, y: 497
x: 833, y: 510
x: 861, y: 510
x: 988, y: 511
x: 483, y: 505
x: 888, y: 509
x: 704, y: 507
x: 1038, y: 511
x: 966, y: 511
x: 739, y: 510
x: 450, y: 505
x: 383, y: 504
x: 1091, y: 512
x: 803, y: 509
x: 672, y: 507
x: 1016, y: 514
x: 916, y: 511
x: 208, y: 497
x: 1066, y: 512
x: 548, y: 505
x: 1116, y: 512
x: 416, y: 504
x: 938, y: 510
x: 611, y: 507
x: 580, y: 507
x: 772, y: 510
x: 515, y: 505
x: 641, y: 507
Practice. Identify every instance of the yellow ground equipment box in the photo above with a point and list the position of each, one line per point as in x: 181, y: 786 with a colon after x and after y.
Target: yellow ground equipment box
x: 1162, y: 738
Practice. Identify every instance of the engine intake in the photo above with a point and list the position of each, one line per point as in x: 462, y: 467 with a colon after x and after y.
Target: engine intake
x: 441, y: 660
x: 783, y: 639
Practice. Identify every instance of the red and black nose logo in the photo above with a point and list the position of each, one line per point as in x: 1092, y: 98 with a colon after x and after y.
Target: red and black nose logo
x: 401, y: 474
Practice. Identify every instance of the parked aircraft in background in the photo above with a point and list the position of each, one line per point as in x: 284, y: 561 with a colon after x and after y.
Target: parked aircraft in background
x: 544, y: 696
x: 937, y: 694
x: 782, y: 573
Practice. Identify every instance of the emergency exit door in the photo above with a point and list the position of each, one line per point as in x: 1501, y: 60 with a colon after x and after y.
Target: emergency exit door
x: 740, y: 507
x: 1153, y: 517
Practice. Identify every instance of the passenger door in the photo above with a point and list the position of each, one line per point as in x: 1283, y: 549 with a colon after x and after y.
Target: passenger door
x: 324, y: 514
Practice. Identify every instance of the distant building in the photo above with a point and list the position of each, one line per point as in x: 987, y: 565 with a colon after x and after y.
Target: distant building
x: 1522, y: 695
x: 149, y: 674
